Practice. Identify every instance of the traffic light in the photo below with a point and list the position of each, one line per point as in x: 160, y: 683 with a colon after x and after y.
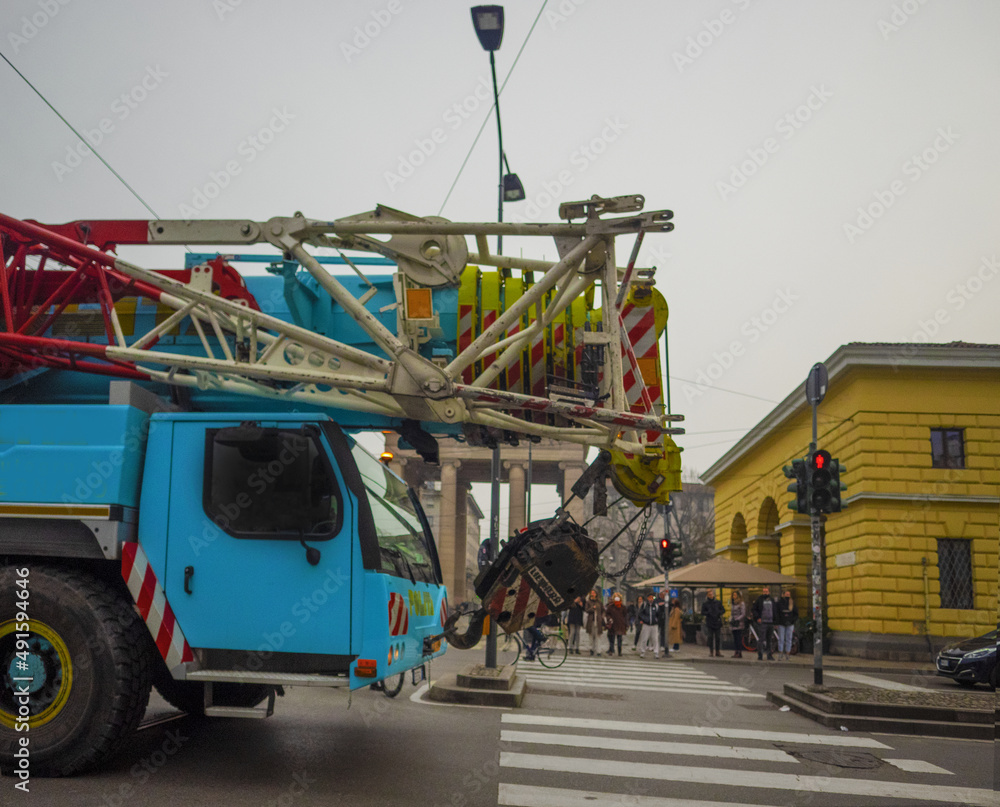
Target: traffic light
x: 820, y: 496
x: 800, y: 487
x: 836, y: 486
x: 824, y: 482
x: 666, y: 552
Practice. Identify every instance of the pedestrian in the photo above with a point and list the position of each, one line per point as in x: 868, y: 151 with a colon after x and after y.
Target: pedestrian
x: 713, y: 611
x: 675, y: 623
x: 574, y: 621
x: 633, y: 619
x: 616, y: 619
x: 649, y: 617
x: 788, y: 615
x: 661, y: 625
x: 594, y: 609
x: 764, y: 613
x: 737, y: 620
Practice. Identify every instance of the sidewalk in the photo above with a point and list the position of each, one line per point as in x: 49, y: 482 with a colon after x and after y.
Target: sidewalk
x: 698, y: 654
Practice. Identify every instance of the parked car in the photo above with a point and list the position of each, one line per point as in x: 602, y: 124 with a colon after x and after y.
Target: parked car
x: 971, y: 662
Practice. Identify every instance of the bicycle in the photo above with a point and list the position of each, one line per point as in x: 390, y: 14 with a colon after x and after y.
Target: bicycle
x: 551, y: 653
x: 751, y: 638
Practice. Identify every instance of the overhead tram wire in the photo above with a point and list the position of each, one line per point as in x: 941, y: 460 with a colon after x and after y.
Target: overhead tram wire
x: 82, y: 140
x: 492, y: 108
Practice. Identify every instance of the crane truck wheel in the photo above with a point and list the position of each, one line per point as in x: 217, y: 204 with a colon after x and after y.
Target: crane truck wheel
x: 89, y: 675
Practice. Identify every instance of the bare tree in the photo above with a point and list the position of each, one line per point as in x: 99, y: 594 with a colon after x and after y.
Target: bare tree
x: 690, y: 521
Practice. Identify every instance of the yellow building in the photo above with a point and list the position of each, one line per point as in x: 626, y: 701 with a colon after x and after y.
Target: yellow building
x: 913, y: 557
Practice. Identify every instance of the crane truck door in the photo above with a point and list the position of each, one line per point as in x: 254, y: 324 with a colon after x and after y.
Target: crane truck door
x: 276, y: 574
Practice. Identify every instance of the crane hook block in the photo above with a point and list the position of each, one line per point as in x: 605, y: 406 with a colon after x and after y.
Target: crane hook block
x: 539, y: 571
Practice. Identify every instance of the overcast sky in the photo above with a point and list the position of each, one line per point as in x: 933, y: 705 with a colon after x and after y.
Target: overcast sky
x: 833, y: 167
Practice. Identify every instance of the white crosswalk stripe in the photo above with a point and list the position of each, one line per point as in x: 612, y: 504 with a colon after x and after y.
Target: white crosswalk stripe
x: 744, y: 765
x: 637, y: 675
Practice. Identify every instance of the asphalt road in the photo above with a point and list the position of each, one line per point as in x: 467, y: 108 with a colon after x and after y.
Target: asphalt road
x: 661, y: 733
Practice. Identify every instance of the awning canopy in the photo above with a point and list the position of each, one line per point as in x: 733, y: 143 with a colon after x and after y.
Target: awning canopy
x: 722, y: 572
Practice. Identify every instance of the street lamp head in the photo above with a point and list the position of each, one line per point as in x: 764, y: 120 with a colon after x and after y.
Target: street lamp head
x: 513, y: 190
x: 488, y: 21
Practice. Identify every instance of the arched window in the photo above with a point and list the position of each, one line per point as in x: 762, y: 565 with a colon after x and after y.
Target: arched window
x: 767, y: 519
x: 738, y: 532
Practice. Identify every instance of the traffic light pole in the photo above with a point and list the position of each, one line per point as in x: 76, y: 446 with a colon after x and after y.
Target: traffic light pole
x: 817, y: 573
x: 666, y: 587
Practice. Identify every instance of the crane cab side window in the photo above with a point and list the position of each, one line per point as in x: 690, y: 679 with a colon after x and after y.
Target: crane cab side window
x: 270, y: 483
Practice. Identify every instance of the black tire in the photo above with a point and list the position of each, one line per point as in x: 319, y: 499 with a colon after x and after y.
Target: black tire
x: 966, y: 684
x: 553, y: 651
x: 393, y: 685
x: 91, y: 648
x: 508, y: 649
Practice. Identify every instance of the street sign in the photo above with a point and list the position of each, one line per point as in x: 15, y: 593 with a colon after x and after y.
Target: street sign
x: 674, y: 593
x: 816, y: 384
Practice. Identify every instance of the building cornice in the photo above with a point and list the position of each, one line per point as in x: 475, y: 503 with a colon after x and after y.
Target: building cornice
x: 946, y: 498
x: 956, y: 356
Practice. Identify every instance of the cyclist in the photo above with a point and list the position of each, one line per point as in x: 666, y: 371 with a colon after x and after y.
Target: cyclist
x: 536, y: 636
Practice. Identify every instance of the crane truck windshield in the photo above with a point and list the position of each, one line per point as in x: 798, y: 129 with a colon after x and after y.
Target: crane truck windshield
x: 402, y: 543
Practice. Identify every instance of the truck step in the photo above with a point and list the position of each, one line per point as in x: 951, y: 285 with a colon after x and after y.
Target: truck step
x: 237, y: 711
x: 273, y: 678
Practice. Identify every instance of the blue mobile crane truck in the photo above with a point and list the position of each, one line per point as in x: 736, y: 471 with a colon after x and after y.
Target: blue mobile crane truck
x: 218, y: 555
x: 206, y: 522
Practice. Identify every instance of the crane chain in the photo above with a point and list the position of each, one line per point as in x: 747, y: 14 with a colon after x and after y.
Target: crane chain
x: 637, y: 547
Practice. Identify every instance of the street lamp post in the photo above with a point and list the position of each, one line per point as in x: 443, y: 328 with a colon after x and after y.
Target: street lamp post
x: 488, y: 22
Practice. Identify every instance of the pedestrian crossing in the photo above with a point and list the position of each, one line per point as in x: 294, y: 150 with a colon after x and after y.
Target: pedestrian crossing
x: 664, y: 765
x: 640, y: 675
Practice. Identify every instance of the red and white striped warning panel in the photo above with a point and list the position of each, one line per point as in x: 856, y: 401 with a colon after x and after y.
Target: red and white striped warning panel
x: 399, y: 615
x: 153, y: 606
x: 517, y: 606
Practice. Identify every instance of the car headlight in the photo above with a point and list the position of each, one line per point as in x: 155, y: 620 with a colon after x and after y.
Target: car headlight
x: 985, y: 651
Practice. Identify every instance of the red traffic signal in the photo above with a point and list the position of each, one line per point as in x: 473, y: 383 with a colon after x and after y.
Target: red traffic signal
x: 666, y: 553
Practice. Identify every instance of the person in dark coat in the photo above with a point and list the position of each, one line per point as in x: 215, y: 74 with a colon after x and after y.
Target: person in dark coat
x: 649, y: 616
x: 661, y: 603
x: 616, y: 620
x: 784, y: 625
x: 764, y: 613
x: 713, y: 611
x: 574, y: 621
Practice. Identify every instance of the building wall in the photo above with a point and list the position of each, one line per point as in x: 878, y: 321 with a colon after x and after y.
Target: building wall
x: 877, y: 422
